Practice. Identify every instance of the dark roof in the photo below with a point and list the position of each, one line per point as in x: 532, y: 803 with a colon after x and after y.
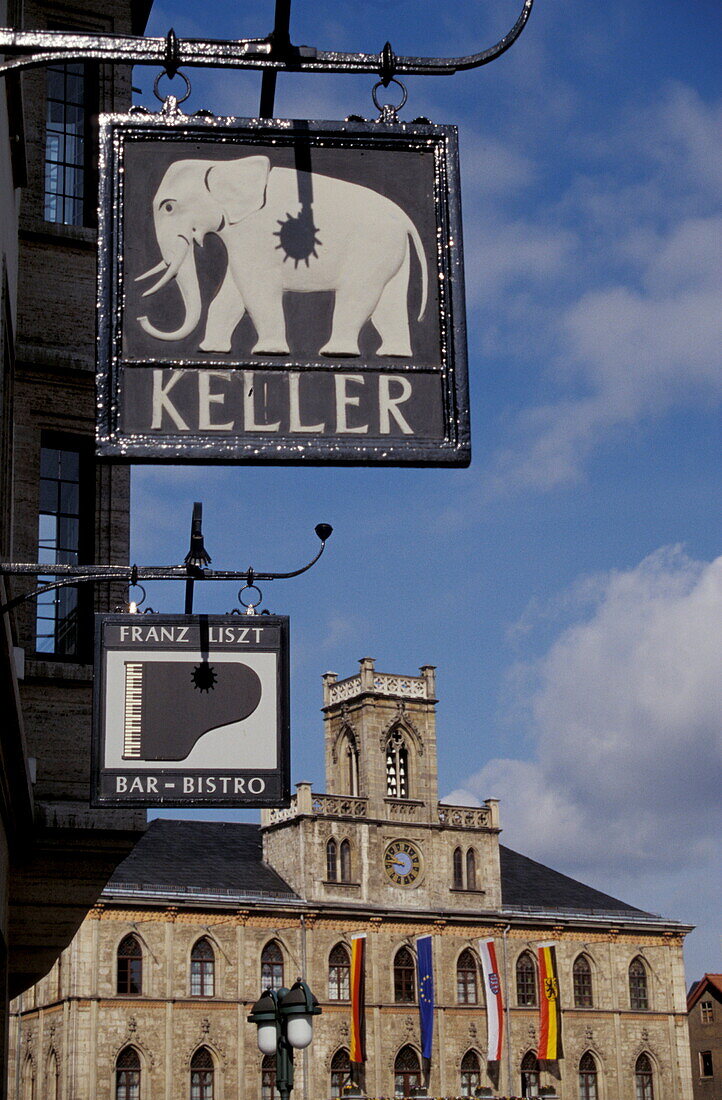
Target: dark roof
x: 710, y: 983
x: 201, y: 857
x: 527, y: 884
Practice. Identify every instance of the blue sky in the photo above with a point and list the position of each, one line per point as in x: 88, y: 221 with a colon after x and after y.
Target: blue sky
x: 568, y: 585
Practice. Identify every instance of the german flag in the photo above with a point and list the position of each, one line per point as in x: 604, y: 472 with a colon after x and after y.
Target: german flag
x: 357, y: 1054
x: 550, y: 1014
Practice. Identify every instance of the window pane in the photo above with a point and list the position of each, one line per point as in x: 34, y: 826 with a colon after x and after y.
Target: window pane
x: 64, y: 147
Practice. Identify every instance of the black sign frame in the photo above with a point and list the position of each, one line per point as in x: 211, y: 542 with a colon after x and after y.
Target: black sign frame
x: 203, y: 639
x: 437, y: 391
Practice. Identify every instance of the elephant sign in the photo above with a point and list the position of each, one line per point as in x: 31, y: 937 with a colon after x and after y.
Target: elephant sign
x: 280, y: 292
x: 359, y: 245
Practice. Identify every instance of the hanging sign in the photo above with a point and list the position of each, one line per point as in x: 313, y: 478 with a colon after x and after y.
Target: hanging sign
x: 191, y: 710
x: 280, y: 292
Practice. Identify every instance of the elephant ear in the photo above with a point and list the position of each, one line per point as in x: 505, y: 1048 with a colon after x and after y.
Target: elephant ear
x: 239, y: 186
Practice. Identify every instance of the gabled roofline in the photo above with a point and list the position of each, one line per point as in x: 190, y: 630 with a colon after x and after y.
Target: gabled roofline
x: 696, y: 990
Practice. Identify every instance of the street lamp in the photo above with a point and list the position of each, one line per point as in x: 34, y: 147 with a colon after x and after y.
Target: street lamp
x: 284, y: 1021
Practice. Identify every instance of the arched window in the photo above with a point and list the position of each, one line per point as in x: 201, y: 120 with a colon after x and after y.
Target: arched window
x: 525, y: 980
x: 203, y: 969
x: 130, y: 966
x: 529, y: 1074
x: 268, y: 1077
x: 331, y: 860
x: 458, y: 869
x: 127, y: 1075
x: 340, y: 1071
x: 349, y: 752
x: 582, y: 977
x: 345, y: 853
x: 272, y: 966
x: 470, y: 1073
x: 470, y: 869
x: 644, y: 1078
x: 51, y: 1085
x: 397, y: 767
x: 587, y: 1077
x: 339, y: 973
x: 638, y: 993
x: 466, y: 988
x: 28, y: 1079
x: 404, y: 977
x: 202, y: 1075
x: 407, y: 1072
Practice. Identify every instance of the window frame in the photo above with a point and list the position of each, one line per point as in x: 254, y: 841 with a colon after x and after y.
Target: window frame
x: 644, y: 1078
x: 88, y: 169
x: 529, y: 1073
x: 468, y: 1087
x: 270, y: 979
x: 124, y: 965
x: 522, y: 999
x: 339, y: 974
x: 582, y: 983
x: 588, y: 1077
x: 404, y: 975
x: 706, y: 1056
x: 639, y: 999
x: 466, y: 984
x: 412, y: 1078
x: 202, y: 1076
x: 202, y: 970
x: 128, y: 1079
x: 338, y: 1070
x: 706, y: 1012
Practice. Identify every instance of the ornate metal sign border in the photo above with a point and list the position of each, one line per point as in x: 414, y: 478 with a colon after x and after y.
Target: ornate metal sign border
x: 451, y: 448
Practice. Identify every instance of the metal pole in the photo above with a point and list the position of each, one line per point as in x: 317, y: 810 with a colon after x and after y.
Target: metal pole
x: 280, y: 39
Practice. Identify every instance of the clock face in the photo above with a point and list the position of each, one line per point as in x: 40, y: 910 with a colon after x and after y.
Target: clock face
x: 402, y: 862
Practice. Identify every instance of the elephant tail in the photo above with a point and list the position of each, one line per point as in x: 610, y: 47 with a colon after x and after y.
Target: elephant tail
x: 413, y: 233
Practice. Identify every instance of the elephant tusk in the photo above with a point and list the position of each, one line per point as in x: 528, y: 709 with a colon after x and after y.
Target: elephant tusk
x: 171, y: 271
x: 152, y: 271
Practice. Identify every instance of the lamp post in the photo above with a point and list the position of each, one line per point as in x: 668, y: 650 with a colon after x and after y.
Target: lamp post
x: 284, y: 1018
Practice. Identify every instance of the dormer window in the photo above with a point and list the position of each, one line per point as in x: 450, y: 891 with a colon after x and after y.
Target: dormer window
x: 397, y: 767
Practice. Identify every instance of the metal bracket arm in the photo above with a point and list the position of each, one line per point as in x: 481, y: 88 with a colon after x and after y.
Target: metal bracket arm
x: 27, y: 49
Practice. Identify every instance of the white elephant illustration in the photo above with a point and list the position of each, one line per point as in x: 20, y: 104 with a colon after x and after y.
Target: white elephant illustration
x: 358, y: 248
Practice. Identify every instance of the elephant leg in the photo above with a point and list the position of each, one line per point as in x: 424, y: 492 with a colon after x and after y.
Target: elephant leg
x: 224, y: 313
x: 265, y: 308
x: 391, y: 316
x: 353, y: 306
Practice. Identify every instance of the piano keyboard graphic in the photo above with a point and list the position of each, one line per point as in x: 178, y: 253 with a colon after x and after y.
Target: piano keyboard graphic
x: 133, y: 710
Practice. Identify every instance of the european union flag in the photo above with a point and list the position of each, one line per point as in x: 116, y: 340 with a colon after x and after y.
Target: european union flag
x: 425, y: 970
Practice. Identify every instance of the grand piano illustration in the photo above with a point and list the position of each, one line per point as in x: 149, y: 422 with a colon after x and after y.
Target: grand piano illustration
x: 170, y: 705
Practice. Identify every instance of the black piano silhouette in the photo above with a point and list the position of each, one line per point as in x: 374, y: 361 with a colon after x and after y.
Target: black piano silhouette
x: 166, y: 712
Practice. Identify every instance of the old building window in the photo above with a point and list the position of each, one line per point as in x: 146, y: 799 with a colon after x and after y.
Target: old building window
x: 470, y: 1073
x: 706, y: 1012
x: 28, y: 1079
x: 458, y: 878
x: 272, y: 966
x: 130, y: 966
x: 51, y: 1077
x: 582, y: 978
x: 644, y: 1078
x: 349, y: 754
x: 331, y: 860
x: 70, y: 93
x: 345, y: 860
x: 470, y: 869
x: 268, y: 1077
x: 638, y: 993
x: 404, y: 977
x: 706, y: 1068
x: 466, y: 990
x: 397, y: 767
x: 127, y: 1075
x: 59, y: 542
x: 587, y: 1077
x: 340, y: 1071
x: 203, y: 967
x: 202, y: 1075
x: 529, y: 1074
x: 525, y: 980
x: 339, y: 974
x: 407, y: 1072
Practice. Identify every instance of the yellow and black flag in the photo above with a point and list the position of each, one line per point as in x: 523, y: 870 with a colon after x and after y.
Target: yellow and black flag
x: 550, y: 1013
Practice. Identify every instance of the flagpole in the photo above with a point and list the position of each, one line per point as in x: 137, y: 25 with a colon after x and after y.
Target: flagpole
x: 507, y: 1023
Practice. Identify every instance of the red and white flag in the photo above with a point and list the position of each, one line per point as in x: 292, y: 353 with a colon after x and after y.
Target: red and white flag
x: 494, y: 1000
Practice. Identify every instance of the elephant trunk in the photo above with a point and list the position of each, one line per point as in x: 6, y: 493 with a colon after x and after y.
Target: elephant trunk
x: 181, y: 267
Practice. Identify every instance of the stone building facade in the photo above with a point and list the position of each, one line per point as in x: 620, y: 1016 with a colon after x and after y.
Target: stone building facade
x: 704, y: 1005
x: 151, y: 998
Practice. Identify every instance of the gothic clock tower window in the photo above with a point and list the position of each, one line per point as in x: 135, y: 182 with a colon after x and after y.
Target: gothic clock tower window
x: 397, y: 767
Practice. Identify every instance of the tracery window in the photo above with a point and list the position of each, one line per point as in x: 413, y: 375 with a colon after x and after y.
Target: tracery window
x: 340, y: 1071
x: 407, y: 1072
x: 587, y: 1077
x: 331, y: 860
x: 397, y: 767
x: 458, y: 869
x: 526, y: 980
x: 644, y: 1078
x: 582, y: 979
x: 529, y: 1074
x: 268, y: 1077
x: 470, y: 1073
x: 203, y: 968
x: 127, y: 1075
x: 130, y: 966
x: 638, y: 992
x: 339, y: 974
x: 272, y: 966
x: 470, y: 869
x: 404, y: 978
x: 466, y: 987
x: 345, y: 860
x: 202, y: 1075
